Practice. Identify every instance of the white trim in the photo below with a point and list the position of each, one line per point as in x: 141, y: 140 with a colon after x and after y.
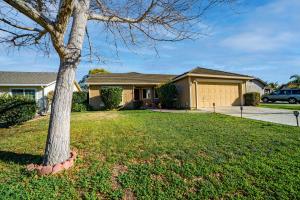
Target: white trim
x: 7, y: 84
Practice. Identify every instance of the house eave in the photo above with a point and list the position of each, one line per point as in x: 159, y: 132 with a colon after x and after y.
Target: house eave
x: 25, y: 85
x: 212, y: 76
x: 116, y: 83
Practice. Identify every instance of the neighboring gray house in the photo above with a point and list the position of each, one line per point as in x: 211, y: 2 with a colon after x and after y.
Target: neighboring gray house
x: 35, y: 85
x: 256, y: 85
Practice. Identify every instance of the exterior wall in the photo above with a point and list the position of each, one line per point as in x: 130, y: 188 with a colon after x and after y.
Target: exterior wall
x: 255, y: 86
x: 94, y: 96
x: 183, y: 89
x: 127, y: 96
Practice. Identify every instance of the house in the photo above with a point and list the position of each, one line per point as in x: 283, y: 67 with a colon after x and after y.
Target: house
x: 197, y: 88
x: 289, y: 86
x: 35, y: 85
x: 256, y: 85
x: 136, y: 86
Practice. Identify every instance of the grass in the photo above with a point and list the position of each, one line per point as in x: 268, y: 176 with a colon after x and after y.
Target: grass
x: 149, y: 155
x: 281, y: 106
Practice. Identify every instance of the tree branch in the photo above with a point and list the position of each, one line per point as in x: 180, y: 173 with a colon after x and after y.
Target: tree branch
x: 65, y: 11
x: 33, y: 14
x: 115, y: 18
x: 20, y: 27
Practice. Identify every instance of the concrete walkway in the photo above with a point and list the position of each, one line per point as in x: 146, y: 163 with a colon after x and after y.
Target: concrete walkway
x: 278, y: 116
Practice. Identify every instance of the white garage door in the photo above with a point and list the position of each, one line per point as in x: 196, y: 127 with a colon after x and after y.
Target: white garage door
x: 220, y: 94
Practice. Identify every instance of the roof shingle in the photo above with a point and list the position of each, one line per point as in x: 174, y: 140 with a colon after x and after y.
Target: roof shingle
x: 27, y: 78
x: 213, y: 72
x: 129, y: 78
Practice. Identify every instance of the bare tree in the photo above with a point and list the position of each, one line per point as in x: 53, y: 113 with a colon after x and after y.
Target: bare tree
x: 63, y: 25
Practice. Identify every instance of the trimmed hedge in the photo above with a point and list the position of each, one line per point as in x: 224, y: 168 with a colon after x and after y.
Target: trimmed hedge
x: 252, y: 99
x: 79, y: 101
x: 111, y: 97
x: 167, y: 95
x: 77, y: 107
x: 80, y: 97
x: 16, y: 109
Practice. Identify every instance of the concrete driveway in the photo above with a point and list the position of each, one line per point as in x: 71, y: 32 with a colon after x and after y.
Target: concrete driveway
x: 264, y: 114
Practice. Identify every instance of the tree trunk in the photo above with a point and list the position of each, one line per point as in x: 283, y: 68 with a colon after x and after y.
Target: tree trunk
x: 58, y: 139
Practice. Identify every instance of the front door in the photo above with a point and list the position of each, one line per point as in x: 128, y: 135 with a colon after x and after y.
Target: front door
x: 136, y: 94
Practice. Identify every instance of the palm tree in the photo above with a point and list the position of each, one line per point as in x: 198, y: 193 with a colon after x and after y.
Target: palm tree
x: 273, y: 85
x: 295, y: 79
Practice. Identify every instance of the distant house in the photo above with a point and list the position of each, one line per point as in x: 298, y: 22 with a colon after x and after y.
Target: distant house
x: 34, y: 85
x: 256, y: 85
x: 197, y: 88
x: 289, y: 86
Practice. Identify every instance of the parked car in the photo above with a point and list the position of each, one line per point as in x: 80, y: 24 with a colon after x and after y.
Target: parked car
x: 290, y: 95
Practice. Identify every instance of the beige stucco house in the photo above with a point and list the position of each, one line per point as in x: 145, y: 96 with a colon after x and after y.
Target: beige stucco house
x: 198, y: 88
x: 35, y: 85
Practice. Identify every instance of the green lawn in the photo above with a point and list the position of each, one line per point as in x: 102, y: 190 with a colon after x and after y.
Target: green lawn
x: 281, y: 106
x: 149, y: 155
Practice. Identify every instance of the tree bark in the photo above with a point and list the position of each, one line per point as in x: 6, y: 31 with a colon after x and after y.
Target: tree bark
x: 58, y: 139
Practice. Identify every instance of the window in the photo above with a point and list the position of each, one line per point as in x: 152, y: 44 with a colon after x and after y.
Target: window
x: 296, y: 91
x: 155, y: 94
x: 146, y: 93
x: 285, y: 92
x: 30, y: 93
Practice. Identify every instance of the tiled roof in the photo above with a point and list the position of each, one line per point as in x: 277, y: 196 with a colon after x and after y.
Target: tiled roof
x: 205, y: 71
x: 27, y: 78
x: 128, y: 78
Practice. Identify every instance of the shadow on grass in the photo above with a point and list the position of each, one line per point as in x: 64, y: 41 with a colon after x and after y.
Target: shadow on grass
x: 20, y: 158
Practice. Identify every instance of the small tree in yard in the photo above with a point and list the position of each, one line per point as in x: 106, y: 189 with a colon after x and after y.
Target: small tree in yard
x: 167, y: 95
x: 63, y: 24
x: 111, y: 97
x: 82, y: 82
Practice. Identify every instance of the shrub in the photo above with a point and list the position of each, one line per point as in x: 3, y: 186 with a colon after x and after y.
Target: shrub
x: 252, y: 99
x: 111, y: 97
x: 80, y: 101
x: 80, y: 97
x: 137, y: 104
x: 167, y: 95
x: 78, y: 107
x: 16, y: 109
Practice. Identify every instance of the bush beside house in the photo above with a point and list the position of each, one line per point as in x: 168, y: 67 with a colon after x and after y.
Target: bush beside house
x: 80, y: 102
x: 252, y: 99
x: 167, y: 95
x: 111, y: 97
x: 16, y: 109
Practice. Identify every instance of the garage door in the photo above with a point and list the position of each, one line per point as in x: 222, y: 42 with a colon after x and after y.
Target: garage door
x: 220, y: 94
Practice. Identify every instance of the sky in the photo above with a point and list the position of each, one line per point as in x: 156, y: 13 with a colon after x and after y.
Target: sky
x: 260, y: 38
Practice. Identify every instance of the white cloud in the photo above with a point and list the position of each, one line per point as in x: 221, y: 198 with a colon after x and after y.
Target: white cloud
x: 268, y: 28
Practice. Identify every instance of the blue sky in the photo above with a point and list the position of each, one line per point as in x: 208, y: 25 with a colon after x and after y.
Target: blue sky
x: 257, y: 37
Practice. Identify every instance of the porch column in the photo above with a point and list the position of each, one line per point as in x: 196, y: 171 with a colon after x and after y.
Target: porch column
x: 190, y: 84
x: 196, y: 94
